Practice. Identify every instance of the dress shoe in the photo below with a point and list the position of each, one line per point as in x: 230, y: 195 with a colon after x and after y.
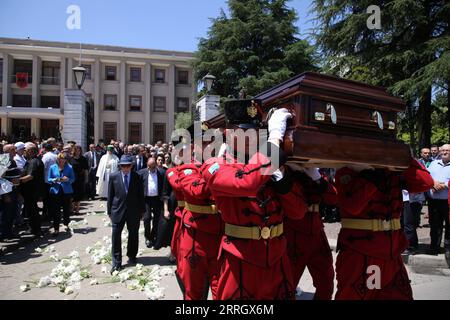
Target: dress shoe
x: 132, y: 260
x: 433, y: 251
x: 410, y: 251
x: 149, y: 243
x: 116, y: 268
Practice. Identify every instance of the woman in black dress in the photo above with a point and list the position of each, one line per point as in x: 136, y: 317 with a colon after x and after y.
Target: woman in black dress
x: 80, y: 167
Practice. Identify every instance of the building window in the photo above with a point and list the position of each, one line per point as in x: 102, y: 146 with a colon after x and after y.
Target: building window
x: 134, y: 132
x: 135, y: 74
x: 1, y: 70
x: 183, y: 77
x: 109, y: 131
x: 50, y: 101
x: 110, y: 72
x: 135, y: 103
x: 160, y: 75
x: 22, y: 100
x: 110, y: 102
x: 159, y: 132
x: 88, y: 68
x: 159, y: 104
x: 182, y: 104
x: 50, y: 72
x: 23, y: 66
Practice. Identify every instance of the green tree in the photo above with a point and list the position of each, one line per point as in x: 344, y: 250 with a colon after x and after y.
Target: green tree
x: 255, y: 47
x: 410, y: 54
x: 183, y: 120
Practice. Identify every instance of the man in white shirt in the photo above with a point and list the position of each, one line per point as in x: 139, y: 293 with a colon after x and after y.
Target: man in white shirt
x: 152, y: 178
x: 19, y: 157
x: 438, y: 205
x: 49, y: 158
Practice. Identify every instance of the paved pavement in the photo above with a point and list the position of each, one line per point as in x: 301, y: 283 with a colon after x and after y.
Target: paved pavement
x: 21, y: 264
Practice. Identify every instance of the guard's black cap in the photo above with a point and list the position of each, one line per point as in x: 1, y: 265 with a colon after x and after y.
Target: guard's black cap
x: 243, y: 113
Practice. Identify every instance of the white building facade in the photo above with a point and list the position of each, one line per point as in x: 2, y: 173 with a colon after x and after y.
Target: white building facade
x: 135, y: 93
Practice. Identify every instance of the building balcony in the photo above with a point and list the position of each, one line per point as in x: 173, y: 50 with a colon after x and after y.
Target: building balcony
x: 50, y: 80
x: 31, y: 112
x: 30, y: 78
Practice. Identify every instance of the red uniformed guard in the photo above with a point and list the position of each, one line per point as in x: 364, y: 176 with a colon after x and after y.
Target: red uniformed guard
x: 306, y: 239
x: 173, y: 178
x: 201, y: 237
x: 252, y: 258
x: 370, y: 243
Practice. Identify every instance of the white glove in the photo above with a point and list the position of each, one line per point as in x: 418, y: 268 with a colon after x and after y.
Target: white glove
x: 313, y: 173
x: 277, y: 123
x: 277, y: 175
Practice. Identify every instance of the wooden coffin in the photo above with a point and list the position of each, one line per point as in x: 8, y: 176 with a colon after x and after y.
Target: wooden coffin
x: 338, y: 122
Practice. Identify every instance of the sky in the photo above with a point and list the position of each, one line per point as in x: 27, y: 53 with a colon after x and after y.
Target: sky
x: 153, y: 24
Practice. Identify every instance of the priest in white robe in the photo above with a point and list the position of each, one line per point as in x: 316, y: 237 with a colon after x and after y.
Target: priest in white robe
x: 108, y: 164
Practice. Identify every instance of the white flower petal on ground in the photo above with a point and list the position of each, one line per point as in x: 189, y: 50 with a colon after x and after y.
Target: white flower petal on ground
x: 88, y: 250
x: 85, y: 221
x: 69, y: 290
x: 93, y: 282
x: 104, y: 269
x: 38, y: 250
x: 153, y: 293
x: 139, y: 266
x: 24, y: 288
x: 115, y: 295
x: 51, y: 249
x: 44, y: 281
x: 75, y: 277
x: 55, y: 257
x: 57, y: 280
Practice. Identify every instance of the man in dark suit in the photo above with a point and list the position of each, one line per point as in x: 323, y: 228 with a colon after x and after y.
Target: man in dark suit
x: 125, y: 204
x: 141, y: 159
x: 153, y: 181
x: 93, y: 159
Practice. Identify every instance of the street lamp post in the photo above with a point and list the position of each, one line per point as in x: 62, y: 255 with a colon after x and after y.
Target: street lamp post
x: 208, y: 81
x: 80, y: 75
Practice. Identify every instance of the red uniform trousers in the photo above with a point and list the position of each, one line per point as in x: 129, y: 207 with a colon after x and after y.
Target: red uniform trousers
x: 351, y: 275
x: 198, y: 267
x: 310, y: 248
x: 241, y: 280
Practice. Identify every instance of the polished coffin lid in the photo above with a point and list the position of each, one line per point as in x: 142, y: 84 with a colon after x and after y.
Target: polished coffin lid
x: 339, y: 121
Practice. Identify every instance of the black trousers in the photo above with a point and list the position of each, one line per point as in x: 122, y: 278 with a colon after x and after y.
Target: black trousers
x: 153, y: 209
x: 46, y: 211
x: 438, y: 215
x: 58, y: 201
x: 92, y: 180
x: 8, y: 208
x: 133, y: 238
x: 31, y: 211
x: 411, y: 221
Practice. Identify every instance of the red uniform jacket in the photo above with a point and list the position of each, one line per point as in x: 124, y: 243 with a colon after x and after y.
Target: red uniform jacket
x: 313, y: 193
x: 376, y: 194
x: 247, y: 197
x: 173, y: 178
x: 196, y: 192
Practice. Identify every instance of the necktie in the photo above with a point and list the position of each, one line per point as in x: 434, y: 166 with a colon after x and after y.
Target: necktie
x: 95, y: 160
x: 126, y: 183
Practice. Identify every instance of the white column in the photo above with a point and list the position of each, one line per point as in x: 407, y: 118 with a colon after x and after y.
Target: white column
x: 122, y: 102
x: 36, y: 82
x: 147, y: 103
x: 97, y: 99
x: 75, y: 126
x: 62, y: 79
x: 7, y: 72
x: 70, y: 80
x: 171, y: 102
x: 35, y: 124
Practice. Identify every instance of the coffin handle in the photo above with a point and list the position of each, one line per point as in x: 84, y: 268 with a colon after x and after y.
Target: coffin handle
x: 376, y: 117
x: 331, y: 111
